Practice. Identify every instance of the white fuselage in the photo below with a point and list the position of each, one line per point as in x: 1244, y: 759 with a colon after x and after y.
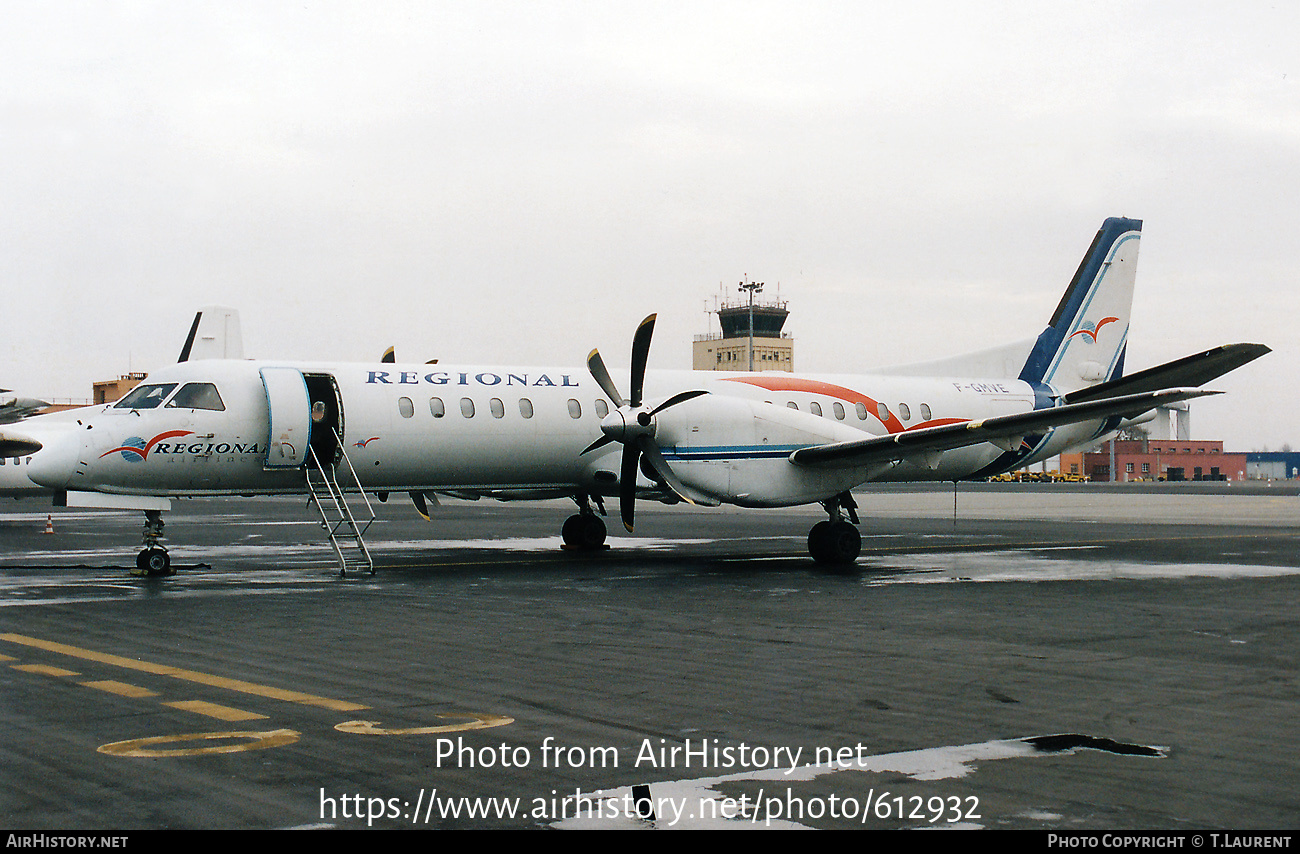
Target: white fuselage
x: 521, y: 432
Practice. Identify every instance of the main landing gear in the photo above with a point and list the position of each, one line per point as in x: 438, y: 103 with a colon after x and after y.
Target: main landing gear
x: 153, y: 559
x: 836, y: 541
x: 585, y: 531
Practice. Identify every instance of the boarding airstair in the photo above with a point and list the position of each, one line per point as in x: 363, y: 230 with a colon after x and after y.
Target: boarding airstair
x: 346, y: 532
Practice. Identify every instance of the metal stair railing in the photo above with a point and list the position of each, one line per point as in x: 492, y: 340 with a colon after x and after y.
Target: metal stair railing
x: 341, y: 525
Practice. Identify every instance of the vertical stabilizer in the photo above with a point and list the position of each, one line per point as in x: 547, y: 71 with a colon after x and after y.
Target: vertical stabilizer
x: 1085, y: 340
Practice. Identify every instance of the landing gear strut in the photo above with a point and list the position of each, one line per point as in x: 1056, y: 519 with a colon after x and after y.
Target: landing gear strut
x: 836, y: 541
x: 584, y: 531
x: 153, y: 559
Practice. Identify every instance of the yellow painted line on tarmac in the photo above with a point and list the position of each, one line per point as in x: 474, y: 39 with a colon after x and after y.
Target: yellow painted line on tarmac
x: 472, y: 720
x: 123, y: 689
x: 4, y: 657
x: 47, y: 669
x: 148, y: 747
x: 229, y: 684
x: 214, y: 710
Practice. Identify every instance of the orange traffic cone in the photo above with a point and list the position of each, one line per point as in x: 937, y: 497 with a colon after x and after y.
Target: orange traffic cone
x: 49, y: 524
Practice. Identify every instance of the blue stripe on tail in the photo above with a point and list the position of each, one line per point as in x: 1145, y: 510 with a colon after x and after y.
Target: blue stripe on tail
x: 1074, y: 300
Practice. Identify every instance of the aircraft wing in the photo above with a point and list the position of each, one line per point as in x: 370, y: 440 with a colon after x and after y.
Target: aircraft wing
x: 1005, y: 431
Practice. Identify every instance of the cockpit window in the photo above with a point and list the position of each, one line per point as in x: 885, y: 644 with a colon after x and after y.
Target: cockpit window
x: 197, y: 396
x: 146, y: 396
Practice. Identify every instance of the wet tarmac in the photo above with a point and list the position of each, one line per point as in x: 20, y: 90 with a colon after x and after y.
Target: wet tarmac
x: 1049, y: 658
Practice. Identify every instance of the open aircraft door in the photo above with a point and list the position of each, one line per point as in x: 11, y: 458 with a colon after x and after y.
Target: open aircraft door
x: 288, y: 417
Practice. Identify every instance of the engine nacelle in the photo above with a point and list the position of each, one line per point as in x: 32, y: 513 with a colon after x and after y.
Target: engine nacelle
x: 737, y: 451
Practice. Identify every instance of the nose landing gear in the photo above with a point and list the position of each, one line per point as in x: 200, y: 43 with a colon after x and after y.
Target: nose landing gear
x: 153, y: 559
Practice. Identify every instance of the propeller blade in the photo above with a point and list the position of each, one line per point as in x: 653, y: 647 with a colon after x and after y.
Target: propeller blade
x: 596, y: 366
x: 599, y: 443
x: 657, y: 462
x: 627, y: 485
x: 423, y: 509
x: 640, y: 356
x: 680, y: 397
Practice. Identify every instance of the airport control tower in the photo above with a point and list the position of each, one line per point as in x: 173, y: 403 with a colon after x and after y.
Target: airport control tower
x: 735, y: 348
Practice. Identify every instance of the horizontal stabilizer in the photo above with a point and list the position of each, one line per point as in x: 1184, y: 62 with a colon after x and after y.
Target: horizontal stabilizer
x: 1193, y: 371
x: 910, y: 443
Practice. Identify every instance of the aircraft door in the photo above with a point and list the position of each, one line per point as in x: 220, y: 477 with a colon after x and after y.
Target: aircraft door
x: 326, y: 417
x: 288, y: 417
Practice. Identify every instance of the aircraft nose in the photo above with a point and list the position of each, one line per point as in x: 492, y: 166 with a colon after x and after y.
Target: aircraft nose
x: 55, y: 464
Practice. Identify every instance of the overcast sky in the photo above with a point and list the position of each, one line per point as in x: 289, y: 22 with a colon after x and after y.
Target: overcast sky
x: 520, y: 182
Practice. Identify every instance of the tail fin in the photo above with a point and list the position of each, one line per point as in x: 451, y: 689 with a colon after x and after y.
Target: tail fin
x: 1084, y: 342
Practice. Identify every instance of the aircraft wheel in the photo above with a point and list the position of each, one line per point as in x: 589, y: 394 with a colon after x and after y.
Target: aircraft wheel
x: 154, y: 561
x: 834, y: 542
x: 584, y: 531
x: 817, y: 541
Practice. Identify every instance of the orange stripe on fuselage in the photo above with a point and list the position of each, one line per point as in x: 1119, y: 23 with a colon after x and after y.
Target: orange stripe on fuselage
x: 892, y: 424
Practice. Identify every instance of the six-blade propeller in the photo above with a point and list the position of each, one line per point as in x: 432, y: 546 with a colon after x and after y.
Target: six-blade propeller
x: 633, y: 424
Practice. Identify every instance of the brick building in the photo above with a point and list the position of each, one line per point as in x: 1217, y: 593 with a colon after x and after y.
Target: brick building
x: 1165, y: 459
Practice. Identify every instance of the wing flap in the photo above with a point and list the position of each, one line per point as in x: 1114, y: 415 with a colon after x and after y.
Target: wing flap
x: 1002, y: 430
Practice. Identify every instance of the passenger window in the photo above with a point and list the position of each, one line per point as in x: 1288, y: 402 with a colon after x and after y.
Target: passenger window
x: 467, y: 407
x: 525, y: 407
x: 861, y: 409
x: 602, y: 408
x: 882, y: 412
x: 498, y: 408
x: 575, y: 409
x: 436, y: 409
x: 925, y: 412
x: 405, y: 407
x: 792, y: 404
x: 198, y: 396
x: 815, y: 408
x: 905, y: 411
x: 145, y: 396
x: 838, y: 409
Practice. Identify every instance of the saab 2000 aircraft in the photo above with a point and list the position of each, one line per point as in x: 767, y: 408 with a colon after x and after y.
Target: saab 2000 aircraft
x: 235, y: 427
